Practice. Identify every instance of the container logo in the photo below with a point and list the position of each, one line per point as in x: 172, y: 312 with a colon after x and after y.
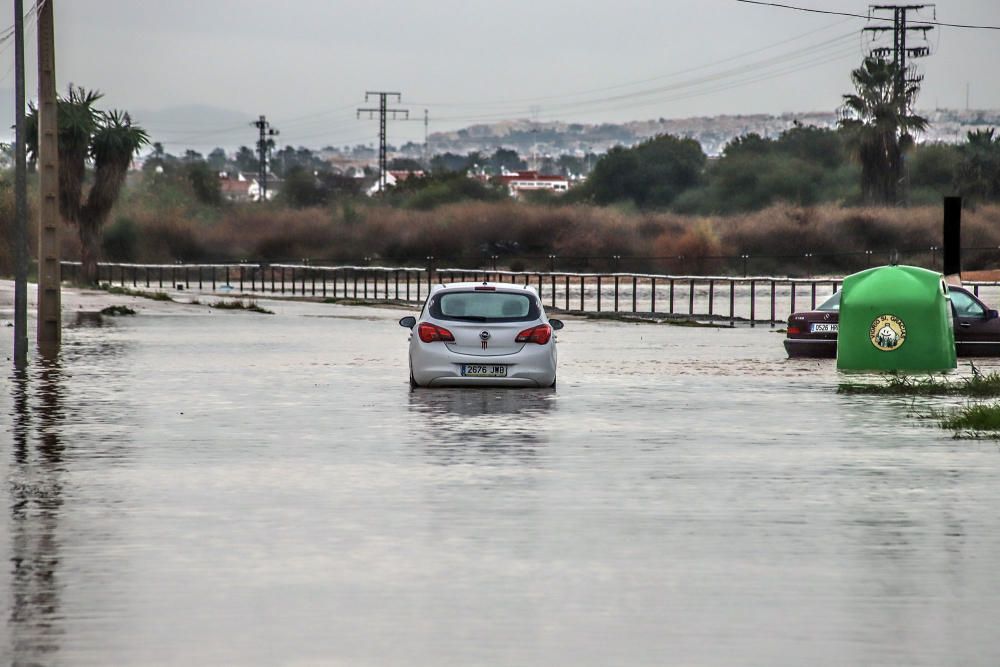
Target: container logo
x: 887, y: 333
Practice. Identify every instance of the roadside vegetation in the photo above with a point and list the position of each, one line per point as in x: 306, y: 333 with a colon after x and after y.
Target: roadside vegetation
x: 237, y: 304
x: 979, y: 385
x: 125, y: 291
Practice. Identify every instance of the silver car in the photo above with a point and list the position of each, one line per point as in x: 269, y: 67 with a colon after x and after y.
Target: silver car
x: 475, y: 334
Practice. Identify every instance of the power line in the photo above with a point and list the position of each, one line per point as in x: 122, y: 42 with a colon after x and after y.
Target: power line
x: 267, y: 134
x: 383, y: 112
x: 864, y: 16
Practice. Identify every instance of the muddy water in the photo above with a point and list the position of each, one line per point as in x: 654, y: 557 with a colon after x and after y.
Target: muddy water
x: 231, y: 488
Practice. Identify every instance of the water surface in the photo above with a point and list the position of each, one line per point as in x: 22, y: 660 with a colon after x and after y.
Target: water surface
x: 230, y: 488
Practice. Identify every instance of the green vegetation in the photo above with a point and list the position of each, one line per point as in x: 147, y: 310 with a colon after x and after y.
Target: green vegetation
x: 237, y: 304
x: 106, y: 139
x: 879, y: 128
x: 974, y: 419
x: 980, y: 385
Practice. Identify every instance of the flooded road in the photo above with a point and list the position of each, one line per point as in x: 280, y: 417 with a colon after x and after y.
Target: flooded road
x: 217, y: 488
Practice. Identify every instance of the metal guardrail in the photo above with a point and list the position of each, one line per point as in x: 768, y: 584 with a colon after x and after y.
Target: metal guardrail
x: 755, y: 299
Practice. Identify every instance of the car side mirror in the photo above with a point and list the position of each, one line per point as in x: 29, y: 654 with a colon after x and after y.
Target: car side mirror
x: 409, y: 321
x: 556, y: 324
x: 992, y: 314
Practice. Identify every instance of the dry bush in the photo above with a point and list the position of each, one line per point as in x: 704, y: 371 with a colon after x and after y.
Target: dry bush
x: 582, y: 237
x: 695, y: 248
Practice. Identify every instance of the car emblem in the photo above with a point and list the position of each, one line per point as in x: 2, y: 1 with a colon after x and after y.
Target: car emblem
x: 827, y: 316
x: 485, y: 337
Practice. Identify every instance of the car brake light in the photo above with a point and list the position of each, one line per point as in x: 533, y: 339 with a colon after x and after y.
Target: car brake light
x: 485, y: 288
x: 539, y: 334
x: 794, y: 330
x: 430, y: 333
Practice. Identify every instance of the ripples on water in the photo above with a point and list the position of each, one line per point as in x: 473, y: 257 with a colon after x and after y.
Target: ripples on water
x: 232, y: 489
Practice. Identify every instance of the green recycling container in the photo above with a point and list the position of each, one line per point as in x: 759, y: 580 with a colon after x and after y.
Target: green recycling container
x: 895, y: 318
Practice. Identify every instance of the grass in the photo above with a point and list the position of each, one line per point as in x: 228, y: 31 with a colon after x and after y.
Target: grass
x: 125, y: 291
x: 980, y: 385
x: 973, y: 419
x: 115, y: 311
x: 237, y: 304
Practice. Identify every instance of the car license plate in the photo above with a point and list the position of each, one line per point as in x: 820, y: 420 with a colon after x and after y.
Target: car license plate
x: 482, y: 371
x: 824, y: 327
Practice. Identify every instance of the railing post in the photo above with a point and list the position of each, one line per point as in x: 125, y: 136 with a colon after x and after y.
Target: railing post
x: 671, y: 296
x: 691, y: 297
x: 793, y: 297
x: 616, y: 292
x: 583, y: 285
x: 711, y: 297
x: 213, y: 277
x: 598, y: 292
x: 242, y: 276
x: 773, y: 289
x: 652, y: 295
x: 753, y: 295
x: 813, y: 307
x: 635, y: 288
x: 567, y: 292
x: 732, y: 302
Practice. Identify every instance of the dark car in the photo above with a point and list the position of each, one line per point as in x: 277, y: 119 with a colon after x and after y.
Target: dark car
x: 813, y: 333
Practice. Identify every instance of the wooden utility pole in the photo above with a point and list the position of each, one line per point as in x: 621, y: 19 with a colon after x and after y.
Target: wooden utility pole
x: 20, y: 198
x: 49, y: 279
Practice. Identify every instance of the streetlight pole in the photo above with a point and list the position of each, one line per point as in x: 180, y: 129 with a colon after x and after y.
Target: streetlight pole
x: 20, y: 198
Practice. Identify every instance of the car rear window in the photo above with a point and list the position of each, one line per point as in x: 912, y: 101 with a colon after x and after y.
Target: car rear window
x: 484, y: 306
x: 833, y: 303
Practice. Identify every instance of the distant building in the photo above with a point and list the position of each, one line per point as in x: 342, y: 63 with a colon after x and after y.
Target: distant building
x: 393, y: 177
x: 519, y: 182
x: 245, y: 187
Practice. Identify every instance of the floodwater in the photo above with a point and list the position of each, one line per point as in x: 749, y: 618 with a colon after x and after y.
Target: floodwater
x: 189, y: 487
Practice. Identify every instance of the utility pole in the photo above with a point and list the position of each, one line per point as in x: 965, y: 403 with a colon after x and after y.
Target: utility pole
x: 383, y: 111
x: 899, y: 50
x: 49, y: 279
x: 427, y: 149
x: 20, y: 198
x: 264, y: 143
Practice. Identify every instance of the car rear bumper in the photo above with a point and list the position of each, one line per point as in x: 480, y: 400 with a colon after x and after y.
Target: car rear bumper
x: 806, y: 348
x: 434, y: 365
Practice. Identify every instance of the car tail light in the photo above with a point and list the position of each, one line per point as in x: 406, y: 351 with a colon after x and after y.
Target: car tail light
x: 540, y: 334
x: 794, y: 330
x: 431, y: 332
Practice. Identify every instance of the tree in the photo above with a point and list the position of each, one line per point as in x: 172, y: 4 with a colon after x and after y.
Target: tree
x: 217, y: 159
x: 106, y: 139
x: 977, y: 175
x: 652, y: 174
x: 879, y: 127
x: 246, y: 160
x: 204, y: 181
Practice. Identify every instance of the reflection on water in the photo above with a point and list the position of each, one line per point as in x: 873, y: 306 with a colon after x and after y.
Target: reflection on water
x: 462, y: 426
x: 35, y: 507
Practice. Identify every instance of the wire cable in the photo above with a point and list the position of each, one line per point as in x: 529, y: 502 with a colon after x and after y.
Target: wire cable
x: 781, y: 5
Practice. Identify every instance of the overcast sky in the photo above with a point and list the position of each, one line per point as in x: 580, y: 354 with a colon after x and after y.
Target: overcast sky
x: 307, y: 64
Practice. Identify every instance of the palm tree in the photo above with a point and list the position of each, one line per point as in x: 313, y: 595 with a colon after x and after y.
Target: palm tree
x: 108, y: 140
x: 880, y: 127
